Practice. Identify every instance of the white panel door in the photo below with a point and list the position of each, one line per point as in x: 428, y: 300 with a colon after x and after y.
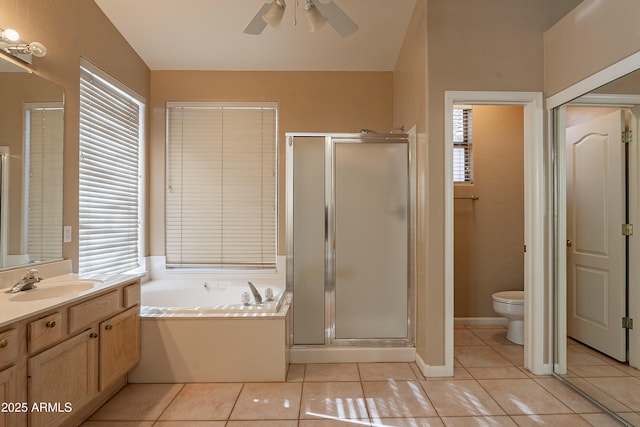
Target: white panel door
x: 596, y: 270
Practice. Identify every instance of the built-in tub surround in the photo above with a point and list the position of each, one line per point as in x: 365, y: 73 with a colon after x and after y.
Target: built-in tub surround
x: 202, y: 332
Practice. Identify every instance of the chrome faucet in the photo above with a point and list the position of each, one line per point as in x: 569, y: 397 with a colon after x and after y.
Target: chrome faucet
x: 27, y: 282
x: 256, y: 294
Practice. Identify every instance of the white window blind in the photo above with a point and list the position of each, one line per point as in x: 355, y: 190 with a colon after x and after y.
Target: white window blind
x: 221, y: 185
x: 462, y: 144
x: 110, y: 177
x: 43, y: 180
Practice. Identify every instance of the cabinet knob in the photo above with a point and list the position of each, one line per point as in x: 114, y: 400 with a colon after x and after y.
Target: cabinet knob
x: 51, y: 324
x: 108, y: 327
x: 4, y: 343
x: 93, y: 335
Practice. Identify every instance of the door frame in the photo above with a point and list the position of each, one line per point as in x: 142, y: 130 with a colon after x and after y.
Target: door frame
x: 536, y: 349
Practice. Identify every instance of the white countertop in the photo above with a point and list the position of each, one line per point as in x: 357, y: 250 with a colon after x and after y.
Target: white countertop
x: 13, y: 307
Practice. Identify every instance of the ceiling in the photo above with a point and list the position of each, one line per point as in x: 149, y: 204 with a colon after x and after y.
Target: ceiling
x: 208, y: 35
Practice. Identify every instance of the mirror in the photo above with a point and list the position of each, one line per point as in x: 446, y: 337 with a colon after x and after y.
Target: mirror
x: 598, y: 160
x: 31, y: 150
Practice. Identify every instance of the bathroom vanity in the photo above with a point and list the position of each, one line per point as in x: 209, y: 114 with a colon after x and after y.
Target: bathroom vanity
x: 66, y: 348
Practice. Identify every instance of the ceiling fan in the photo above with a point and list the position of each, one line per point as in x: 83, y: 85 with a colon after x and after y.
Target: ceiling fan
x: 317, y: 12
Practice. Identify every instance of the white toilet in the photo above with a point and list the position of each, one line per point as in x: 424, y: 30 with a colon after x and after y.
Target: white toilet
x: 510, y: 304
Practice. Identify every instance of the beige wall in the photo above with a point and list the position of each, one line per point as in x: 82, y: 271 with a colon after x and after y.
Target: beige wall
x: 593, y: 36
x: 71, y: 29
x: 489, y: 232
x: 410, y: 109
x: 577, y: 115
x: 472, y: 46
x: 308, y: 102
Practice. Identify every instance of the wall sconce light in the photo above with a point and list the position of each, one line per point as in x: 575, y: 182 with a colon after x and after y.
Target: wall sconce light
x: 10, y: 43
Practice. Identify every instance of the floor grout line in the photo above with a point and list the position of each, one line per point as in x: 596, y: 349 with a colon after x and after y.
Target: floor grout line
x: 463, y: 374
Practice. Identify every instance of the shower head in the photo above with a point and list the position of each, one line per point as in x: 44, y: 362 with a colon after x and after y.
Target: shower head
x: 367, y: 131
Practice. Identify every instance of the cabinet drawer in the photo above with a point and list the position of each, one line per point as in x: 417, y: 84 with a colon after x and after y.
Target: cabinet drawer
x: 132, y: 295
x: 8, y: 347
x: 86, y: 313
x: 44, y: 331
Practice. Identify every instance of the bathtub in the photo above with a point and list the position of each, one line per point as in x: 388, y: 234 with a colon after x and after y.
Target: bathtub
x: 198, y: 297
x: 199, y: 330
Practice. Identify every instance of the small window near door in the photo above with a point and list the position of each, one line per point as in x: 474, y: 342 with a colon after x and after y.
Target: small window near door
x: 462, y: 144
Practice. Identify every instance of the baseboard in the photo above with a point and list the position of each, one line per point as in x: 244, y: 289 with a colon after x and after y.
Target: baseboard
x: 433, y: 371
x: 481, y: 321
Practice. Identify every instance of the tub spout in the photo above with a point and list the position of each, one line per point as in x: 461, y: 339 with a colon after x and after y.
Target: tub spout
x: 256, y: 294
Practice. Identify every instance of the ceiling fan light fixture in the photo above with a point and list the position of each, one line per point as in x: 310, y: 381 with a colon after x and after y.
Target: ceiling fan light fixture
x: 275, y: 13
x: 318, y: 12
x: 315, y: 18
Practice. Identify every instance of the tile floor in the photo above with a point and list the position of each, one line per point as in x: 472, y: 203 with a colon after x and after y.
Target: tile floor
x: 614, y: 384
x: 490, y: 388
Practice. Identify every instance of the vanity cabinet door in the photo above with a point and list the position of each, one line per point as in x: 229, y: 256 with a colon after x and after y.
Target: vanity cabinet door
x: 119, y: 345
x: 11, y: 410
x: 62, y: 378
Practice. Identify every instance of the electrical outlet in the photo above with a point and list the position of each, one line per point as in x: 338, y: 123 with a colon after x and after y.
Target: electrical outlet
x: 67, y: 234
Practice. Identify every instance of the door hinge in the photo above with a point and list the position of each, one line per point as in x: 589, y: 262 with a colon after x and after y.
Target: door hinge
x: 627, y: 136
x: 627, y: 323
x: 627, y: 229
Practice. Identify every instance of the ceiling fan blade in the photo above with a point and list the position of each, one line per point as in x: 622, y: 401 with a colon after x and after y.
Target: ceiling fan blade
x: 336, y: 17
x: 257, y: 24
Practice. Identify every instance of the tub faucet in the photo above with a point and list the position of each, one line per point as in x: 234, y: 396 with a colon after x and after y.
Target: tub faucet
x: 256, y: 294
x: 27, y: 282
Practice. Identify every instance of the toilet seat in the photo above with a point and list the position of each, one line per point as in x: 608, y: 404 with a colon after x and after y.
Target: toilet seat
x: 509, y: 297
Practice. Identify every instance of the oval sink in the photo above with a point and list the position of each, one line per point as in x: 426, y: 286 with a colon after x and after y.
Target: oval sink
x: 55, y: 291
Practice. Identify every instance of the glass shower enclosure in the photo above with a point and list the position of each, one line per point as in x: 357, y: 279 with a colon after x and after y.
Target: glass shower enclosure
x: 349, y: 246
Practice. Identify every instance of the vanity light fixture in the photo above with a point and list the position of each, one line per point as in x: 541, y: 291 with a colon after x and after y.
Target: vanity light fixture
x: 10, y: 43
x: 34, y: 48
x: 9, y: 35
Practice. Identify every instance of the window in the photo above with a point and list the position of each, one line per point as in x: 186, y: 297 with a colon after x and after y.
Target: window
x: 221, y: 185
x: 462, y: 144
x: 111, y: 141
x: 44, y: 125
